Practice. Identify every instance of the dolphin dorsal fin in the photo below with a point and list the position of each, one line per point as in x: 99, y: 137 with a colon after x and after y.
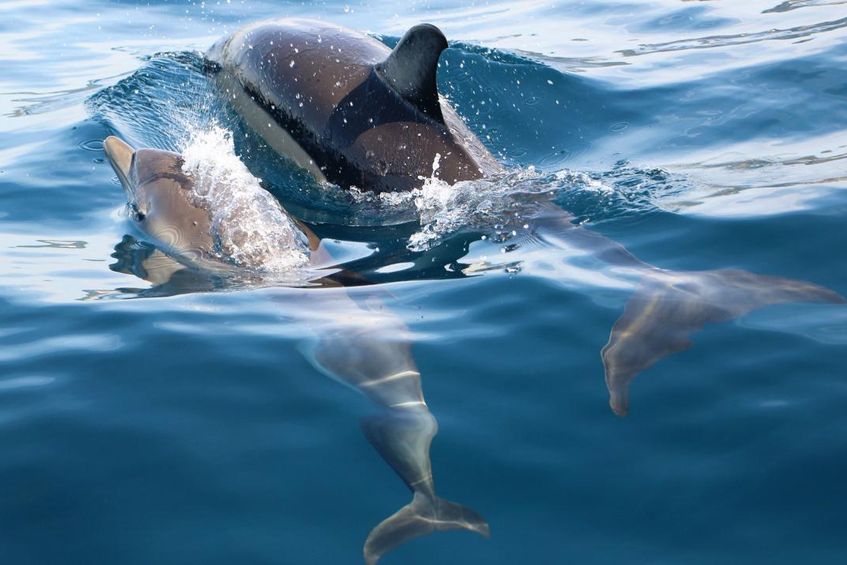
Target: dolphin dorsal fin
x: 411, y: 66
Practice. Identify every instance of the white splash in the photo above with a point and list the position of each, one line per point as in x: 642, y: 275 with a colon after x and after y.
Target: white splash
x: 249, y: 226
x: 444, y: 208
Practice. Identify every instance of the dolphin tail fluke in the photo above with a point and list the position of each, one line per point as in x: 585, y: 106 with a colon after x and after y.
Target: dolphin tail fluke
x: 669, y: 307
x: 403, y: 438
x: 424, y: 515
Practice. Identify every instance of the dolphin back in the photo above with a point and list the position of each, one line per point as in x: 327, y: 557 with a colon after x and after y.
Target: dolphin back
x: 347, y: 108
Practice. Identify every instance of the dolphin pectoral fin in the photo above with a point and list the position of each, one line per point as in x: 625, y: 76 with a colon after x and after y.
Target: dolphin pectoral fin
x: 411, y: 67
x: 668, y: 308
x: 424, y: 515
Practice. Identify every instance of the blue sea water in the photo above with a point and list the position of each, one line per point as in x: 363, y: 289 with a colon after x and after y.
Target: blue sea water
x: 182, y: 424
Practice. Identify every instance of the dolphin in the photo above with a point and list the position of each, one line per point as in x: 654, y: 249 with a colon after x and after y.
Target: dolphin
x: 346, y: 108
x: 350, y: 343
x: 189, y: 224
x: 351, y: 112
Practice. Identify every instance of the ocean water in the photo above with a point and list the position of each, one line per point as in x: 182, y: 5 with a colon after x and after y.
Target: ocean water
x: 187, y: 421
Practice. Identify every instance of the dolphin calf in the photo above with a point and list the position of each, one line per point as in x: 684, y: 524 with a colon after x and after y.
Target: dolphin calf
x: 346, y: 108
x: 191, y: 220
x: 350, y: 345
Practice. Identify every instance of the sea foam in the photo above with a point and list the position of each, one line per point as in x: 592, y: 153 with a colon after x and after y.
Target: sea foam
x: 249, y: 226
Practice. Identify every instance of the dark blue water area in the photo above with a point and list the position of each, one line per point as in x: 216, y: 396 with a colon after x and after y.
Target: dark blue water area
x: 188, y: 422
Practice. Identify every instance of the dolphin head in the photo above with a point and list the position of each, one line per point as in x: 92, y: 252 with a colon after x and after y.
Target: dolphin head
x: 159, y: 198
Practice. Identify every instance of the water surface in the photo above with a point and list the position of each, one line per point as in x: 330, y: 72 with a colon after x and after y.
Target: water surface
x: 186, y: 423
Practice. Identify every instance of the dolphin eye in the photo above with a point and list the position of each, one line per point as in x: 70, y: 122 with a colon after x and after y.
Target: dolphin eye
x: 137, y: 214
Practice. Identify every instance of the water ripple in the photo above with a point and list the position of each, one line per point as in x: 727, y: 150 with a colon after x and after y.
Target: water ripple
x: 17, y: 383
x: 56, y: 345
x: 789, y: 5
x: 712, y: 41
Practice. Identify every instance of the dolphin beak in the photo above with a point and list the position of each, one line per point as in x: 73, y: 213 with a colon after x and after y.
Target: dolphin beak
x: 120, y: 156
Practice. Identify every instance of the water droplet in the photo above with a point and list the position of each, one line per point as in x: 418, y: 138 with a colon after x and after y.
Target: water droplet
x: 92, y: 145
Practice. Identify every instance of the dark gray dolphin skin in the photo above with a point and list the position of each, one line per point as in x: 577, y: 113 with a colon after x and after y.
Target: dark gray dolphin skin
x: 352, y: 348
x: 342, y: 105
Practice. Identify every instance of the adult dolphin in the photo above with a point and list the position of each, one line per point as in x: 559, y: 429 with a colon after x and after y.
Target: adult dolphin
x: 351, y: 344
x: 346, y: 108
x: 352, y: 112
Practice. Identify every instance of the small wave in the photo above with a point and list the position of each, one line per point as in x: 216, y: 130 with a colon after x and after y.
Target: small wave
x: 493, y: 203
x: 789, y: 5
x: 712, y: 41
x: 160, y: 104
x: 500, y: 204
x: 249, y: 226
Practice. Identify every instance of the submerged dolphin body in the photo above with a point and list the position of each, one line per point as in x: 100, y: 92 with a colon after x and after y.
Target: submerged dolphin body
x: 351, y: 346
x: 667, y: 307
x: 346, y: 108
x: 379, y: 365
